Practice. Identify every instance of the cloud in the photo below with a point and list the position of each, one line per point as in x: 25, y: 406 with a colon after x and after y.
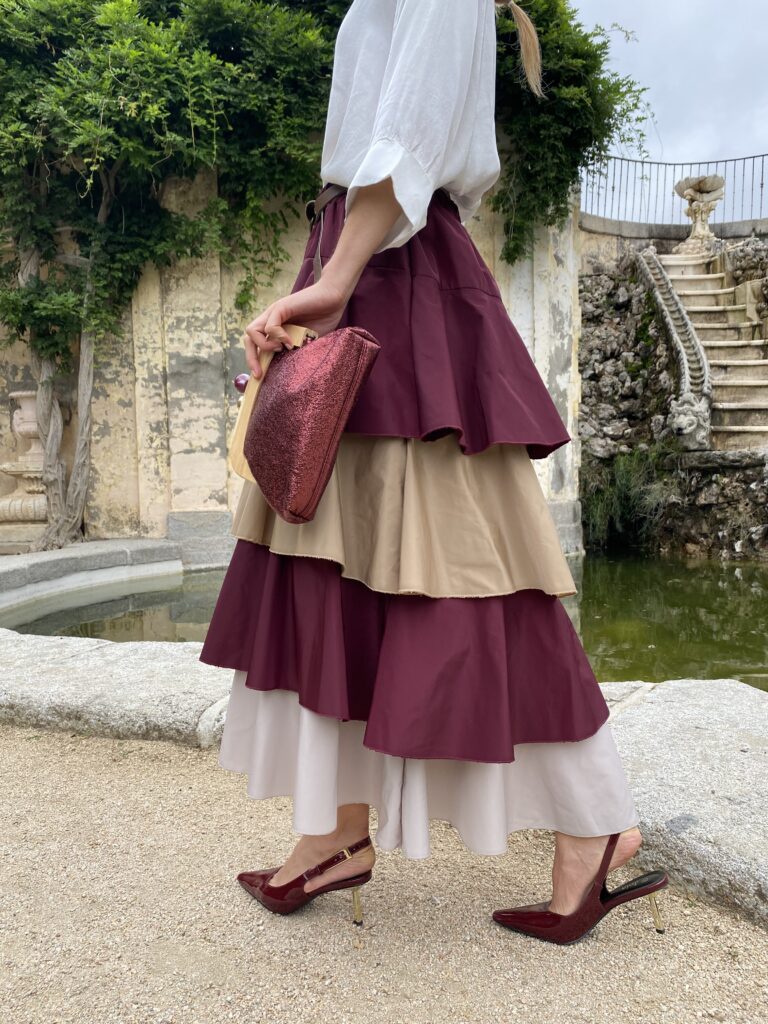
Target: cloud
x: 704, y: 64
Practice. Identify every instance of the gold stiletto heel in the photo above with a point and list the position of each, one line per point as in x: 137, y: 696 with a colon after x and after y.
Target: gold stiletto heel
x: 357, y: 906
x: 657, y: 920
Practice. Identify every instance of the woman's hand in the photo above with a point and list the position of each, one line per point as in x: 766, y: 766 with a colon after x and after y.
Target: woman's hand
x: 319, y: 307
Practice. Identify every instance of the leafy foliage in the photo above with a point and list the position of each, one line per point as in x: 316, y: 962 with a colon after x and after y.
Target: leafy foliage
x: 105, y: 100
x: 623, y: 498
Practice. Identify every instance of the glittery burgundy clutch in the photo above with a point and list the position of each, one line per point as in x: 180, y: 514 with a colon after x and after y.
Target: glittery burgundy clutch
x: 296, y: 423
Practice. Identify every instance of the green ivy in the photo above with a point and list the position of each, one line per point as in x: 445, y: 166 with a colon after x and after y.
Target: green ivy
x: 104, y: 101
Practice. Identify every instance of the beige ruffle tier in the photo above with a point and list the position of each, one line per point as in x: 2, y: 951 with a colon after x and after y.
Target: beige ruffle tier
x: 406, y: 516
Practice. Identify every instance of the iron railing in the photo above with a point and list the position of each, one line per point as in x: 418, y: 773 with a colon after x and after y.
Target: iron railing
x: 643, y: 191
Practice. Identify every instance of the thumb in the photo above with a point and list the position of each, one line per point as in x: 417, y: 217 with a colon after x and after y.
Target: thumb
x: 279, y: 314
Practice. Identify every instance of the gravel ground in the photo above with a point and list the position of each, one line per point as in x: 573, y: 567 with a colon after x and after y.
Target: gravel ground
x: 119, y: 906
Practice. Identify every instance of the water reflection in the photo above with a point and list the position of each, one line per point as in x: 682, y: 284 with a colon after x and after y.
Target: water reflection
x: 656, y: 620
x: 180, y: 614
x: 638, y: 618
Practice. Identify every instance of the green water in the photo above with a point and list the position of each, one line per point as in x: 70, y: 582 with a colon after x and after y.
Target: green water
x: 638, y: 618
x: 657, y: 620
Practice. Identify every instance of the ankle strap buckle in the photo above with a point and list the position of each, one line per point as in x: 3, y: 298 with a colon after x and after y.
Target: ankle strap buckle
x: 347, y: 854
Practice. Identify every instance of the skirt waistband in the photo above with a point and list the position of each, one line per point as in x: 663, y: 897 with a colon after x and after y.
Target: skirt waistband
x: 314, y: 210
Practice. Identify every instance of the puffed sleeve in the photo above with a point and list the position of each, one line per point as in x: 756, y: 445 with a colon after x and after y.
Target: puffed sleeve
x: 422, y: 109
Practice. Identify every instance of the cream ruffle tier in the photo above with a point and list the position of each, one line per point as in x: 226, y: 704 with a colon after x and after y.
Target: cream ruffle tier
x: 406, y: 516
x: 287, y: 750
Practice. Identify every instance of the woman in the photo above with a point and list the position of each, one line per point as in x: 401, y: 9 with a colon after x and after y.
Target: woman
x: 408, y: 648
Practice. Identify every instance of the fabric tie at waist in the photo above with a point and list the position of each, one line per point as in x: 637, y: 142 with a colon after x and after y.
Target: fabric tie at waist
x: 314, y: 210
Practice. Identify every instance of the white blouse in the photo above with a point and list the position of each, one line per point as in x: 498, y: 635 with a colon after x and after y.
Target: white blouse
x: 412, y: 98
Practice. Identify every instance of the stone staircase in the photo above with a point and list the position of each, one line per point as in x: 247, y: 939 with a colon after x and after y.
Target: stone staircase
x: 735, y: 344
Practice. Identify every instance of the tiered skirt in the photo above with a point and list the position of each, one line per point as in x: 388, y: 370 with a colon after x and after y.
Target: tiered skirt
x: 408, y: 648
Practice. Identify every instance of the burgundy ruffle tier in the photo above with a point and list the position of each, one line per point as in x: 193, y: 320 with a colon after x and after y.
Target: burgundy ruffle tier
x: 459, y: 678
x: 451, y: 358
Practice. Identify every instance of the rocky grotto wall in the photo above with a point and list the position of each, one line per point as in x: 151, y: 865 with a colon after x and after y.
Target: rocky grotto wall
x: 636, y: 488
x: 627, y: 371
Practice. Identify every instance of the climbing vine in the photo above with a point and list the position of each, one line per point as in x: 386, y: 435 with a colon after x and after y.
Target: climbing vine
x: 106, y: 101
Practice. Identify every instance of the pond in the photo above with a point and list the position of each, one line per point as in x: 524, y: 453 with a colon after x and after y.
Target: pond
x: 645, y: 619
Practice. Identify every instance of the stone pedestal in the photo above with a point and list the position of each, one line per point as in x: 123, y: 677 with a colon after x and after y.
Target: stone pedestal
x: 23, y: 512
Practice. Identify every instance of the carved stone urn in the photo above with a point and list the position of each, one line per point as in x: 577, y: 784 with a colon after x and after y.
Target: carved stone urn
x: 23, y: 512
x: 703, y: 195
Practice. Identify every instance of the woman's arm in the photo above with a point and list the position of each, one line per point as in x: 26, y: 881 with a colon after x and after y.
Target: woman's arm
x: 366, y: 226
x: 320, y: 306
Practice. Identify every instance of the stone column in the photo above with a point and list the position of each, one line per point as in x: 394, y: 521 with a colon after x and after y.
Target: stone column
x: 541, y: 294
x: 199, y: 517
x: 151, y: 404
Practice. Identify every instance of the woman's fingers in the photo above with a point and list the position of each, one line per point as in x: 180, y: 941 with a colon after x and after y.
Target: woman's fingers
x: 252, y: 355
x: 317, y: 306
x: 266, y: 330
x: 277, y: 314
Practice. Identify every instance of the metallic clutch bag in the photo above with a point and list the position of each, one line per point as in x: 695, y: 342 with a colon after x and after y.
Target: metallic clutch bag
x: 287, y: 440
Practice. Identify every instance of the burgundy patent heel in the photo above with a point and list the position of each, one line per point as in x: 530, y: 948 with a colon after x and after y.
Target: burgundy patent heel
x: 541, y: 923
x: 284, y: 899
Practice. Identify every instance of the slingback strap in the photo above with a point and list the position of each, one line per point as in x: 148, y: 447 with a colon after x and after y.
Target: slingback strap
x: 337, y: 858
x: 610, y: 846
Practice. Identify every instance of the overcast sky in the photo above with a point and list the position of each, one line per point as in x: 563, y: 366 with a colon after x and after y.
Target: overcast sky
x: 705, y: 63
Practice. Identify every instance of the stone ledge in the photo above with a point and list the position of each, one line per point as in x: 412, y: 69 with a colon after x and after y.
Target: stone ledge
x: 137, y: 689
x: 694, y: 750
x: 738, y: 458
x: 128, y: 690
x: 39, y: 566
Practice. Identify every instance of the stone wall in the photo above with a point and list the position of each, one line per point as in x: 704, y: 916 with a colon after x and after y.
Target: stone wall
x: 608, y: 240
x: 164, y: 406
x: 720, y: 507
x: 627, y: 371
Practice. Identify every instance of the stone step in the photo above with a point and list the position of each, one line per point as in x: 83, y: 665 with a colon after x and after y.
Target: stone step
x: 699, y: 282
x: 743, y: 369
x: 714, y: 297
x: 723, y: 331
x: 685, y: 265
x: 727, y: 315
x: 755, y: 351
x: 728, y: 438
x: 739, y: 389
x: 740, y: 414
